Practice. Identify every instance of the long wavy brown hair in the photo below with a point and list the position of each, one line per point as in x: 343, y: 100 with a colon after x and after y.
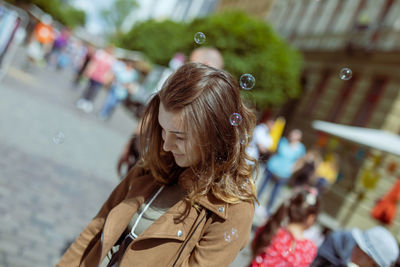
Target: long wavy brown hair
x: 206, y: 98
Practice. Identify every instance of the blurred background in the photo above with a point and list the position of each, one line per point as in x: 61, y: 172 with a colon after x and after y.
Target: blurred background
x: 330, y: 68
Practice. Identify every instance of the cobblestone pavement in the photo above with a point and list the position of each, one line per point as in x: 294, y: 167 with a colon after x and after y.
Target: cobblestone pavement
x: 49, y: 192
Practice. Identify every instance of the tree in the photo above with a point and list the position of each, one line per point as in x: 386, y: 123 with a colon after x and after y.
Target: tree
x: 64, y: 13
x: 247, y: 44
x: 117, y: 13
x: 158, y: 40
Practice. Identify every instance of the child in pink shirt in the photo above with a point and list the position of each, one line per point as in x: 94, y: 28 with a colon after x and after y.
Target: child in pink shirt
x: 276, y: 244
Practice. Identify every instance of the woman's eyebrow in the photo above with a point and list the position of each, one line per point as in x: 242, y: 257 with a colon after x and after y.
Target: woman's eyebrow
x: 176, y: 132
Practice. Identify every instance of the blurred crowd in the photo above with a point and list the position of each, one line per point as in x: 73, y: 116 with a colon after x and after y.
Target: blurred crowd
x: 285, y: 237
x: 95, y: 68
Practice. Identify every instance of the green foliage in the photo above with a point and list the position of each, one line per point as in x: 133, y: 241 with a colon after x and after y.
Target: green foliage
x: 248, y: 45
x: 64, y: 13
x: 72, y: 17
x: 157, y: 40
x: 117, y: 13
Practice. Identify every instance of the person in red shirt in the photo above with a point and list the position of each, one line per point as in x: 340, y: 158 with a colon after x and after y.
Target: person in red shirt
x: 279, y: 244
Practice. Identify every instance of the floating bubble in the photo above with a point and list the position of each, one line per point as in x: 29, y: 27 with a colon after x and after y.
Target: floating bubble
x: 235, y: 119
x: 59, y: 138
x: 199, y: 38
x: 285, y: 253
x: 244, y: 139
x: 345, y: 74
x: 259, y: 259
x: 247, y: 81
x: 231, y: 235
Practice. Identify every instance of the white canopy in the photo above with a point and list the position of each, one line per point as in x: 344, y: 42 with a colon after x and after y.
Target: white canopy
x: 377, y: 139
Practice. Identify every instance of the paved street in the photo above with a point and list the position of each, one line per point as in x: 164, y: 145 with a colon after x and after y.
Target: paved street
x: 49, y: 191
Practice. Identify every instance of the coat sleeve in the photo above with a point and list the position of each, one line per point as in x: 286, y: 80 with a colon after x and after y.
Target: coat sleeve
x: 223, y: 239
x: 73, y: 256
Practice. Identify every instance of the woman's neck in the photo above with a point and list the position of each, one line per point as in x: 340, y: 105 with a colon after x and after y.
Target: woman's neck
x: 296, y: 229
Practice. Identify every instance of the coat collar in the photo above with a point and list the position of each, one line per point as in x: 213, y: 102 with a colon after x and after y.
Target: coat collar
x: 208, y: 201
x: 139, y: 190
x: 214, y: 205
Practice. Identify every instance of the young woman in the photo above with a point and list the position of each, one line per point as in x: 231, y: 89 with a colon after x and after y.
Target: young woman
x: 188, y: 202
x: 276, y: 244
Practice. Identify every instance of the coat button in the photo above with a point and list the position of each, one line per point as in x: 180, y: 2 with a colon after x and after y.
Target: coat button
x: 221, y: 209
x: 179, y: 233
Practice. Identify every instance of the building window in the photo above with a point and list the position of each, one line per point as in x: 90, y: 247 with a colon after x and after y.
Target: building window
x: 370, y: 102
x: 381, y: 19
x: 342, y: 99
x: 335, y: 15
x: 318, y: 91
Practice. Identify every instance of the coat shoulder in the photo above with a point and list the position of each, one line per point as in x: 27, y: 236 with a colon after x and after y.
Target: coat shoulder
x: 138, y: 175
x: 241, y: 209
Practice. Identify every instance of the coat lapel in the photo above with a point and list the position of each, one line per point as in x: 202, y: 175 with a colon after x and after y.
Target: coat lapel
x: 169, y: 226
x: 119, y: 217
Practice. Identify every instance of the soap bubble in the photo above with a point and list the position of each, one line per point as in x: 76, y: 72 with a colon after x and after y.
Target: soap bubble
x: 59, y: 138
x: 247, y: 81
x: 235, y: 119
x: 345, y: 74
x: 231, y: 235
x: 199, y: 38
x: 285, y: 253
x: 243, y: 139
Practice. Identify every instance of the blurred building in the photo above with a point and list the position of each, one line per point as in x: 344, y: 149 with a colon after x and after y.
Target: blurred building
x: 364, y: 36
x: 258, y: 8
x: 186, y: 10
x: 178, y: 10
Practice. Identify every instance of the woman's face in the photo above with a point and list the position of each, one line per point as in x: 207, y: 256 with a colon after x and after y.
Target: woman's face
x: 175, y: 139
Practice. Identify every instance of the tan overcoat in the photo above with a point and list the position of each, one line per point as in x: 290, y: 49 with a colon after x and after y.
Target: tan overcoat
x: 210, y: 236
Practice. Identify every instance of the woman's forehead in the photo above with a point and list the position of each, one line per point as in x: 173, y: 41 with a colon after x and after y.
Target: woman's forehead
x: 170, y: 121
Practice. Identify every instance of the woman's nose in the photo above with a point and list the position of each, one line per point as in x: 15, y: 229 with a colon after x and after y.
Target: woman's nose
x: 168, y: 143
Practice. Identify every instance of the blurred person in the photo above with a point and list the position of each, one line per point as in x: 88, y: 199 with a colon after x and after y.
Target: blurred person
x: 184, y: 202
x: 41, y: 39
x: 88, y: 55
x: 99, y: 72
x: 125, y: 77
x: 326, y: 172
x: 10, y: 31
x: 44, y: 32
x: 209, y: 56
x: 280, y: 244
x: 280, y: 167
x: 130, y: 154
x: 373, y: 247
x: 305, y: 167
x: 58, y: 46
x: 78, y: 51
x: 206, y: 55
x: 397, y: 263
x: 177, y: 61
x: 261, y: 141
